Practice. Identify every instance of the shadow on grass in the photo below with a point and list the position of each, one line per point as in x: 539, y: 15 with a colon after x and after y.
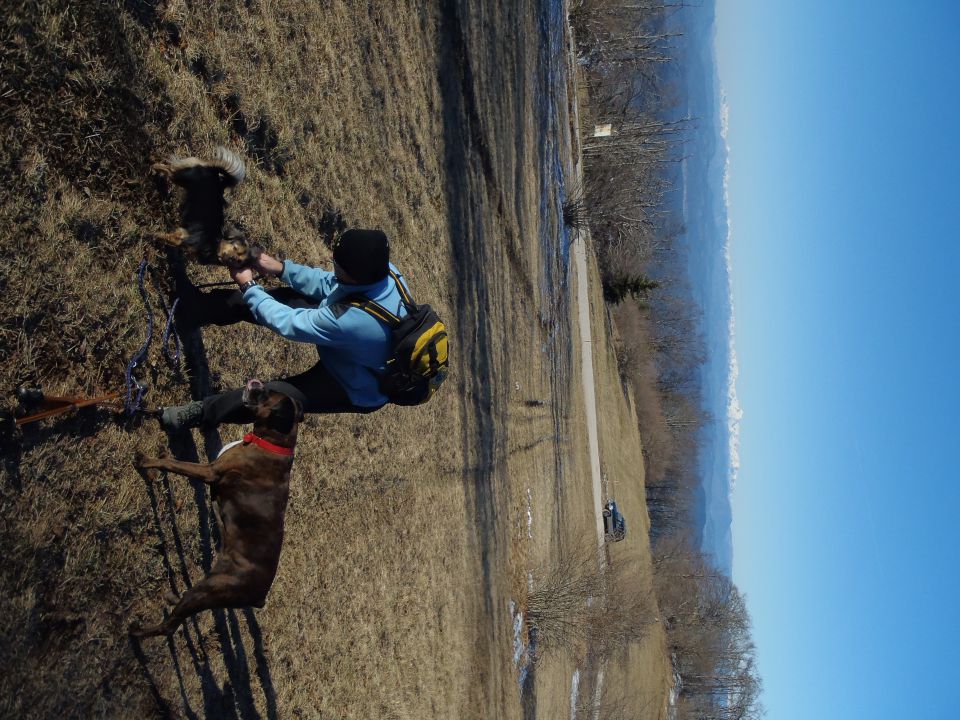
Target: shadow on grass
x: 470, y: 173
x: 528, y: 696
x: 464, y: 148
x: 234, y: 695
x: 75, y: 425
x: 162, y: 706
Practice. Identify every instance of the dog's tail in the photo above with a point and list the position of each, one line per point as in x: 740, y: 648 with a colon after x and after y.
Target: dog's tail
x: 231, y: 164
x: 224, y: 159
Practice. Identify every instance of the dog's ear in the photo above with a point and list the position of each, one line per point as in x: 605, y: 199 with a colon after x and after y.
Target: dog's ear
x: 284, y: 414
x: 299, y: 409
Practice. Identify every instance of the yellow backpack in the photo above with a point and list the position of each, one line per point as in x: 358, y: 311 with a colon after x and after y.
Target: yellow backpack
x: 418, y: 364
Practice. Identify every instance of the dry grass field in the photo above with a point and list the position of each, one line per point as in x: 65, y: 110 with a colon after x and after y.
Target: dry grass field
x: 407, y: 530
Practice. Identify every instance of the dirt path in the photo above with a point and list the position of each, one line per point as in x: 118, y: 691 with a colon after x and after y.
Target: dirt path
x: 589, y: 392
x: 586, y: 354
x: 590, y: 405
x: 582, y: 237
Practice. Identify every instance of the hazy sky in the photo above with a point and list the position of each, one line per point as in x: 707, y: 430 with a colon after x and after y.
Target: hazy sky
x: 844, y: 203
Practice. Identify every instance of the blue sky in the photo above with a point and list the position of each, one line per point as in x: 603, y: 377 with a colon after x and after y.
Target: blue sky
x: 844, y: 163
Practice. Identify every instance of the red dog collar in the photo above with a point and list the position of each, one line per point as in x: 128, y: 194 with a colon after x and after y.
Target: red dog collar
x: 279, y: 450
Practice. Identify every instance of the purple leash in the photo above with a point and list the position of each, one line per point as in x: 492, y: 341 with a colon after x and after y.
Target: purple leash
x: 132, y: 403
x: 171, y: 331
x: 135, y: 398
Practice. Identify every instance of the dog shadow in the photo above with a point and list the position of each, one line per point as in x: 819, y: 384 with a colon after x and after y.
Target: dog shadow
x: 238, y: 634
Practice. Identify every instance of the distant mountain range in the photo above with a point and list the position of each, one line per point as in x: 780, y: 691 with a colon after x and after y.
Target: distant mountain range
x: 704, y: 199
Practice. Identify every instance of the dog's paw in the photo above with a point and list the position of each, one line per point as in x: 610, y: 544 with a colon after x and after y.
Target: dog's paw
x: 162, y: 168
x: 145, y: 465
x: 174, y: 238
x: 135, y: 629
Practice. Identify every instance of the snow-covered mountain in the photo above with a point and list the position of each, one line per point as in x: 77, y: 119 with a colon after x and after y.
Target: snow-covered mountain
x: 704, y: 178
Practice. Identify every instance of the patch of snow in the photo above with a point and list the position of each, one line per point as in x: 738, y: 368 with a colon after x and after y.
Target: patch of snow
x: 522, y: 652
x: 596, y: 693
x: 574, y: 692
x: 518, y: 647
x: 529, y: 514
x: 674, y: 689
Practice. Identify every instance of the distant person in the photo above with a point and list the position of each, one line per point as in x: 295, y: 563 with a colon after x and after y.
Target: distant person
x: 354, y: 346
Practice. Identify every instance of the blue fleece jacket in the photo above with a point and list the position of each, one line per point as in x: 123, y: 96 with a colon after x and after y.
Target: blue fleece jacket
x: 352, y: 345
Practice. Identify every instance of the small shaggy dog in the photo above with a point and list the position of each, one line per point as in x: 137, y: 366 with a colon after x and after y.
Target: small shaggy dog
x: 201, y: 232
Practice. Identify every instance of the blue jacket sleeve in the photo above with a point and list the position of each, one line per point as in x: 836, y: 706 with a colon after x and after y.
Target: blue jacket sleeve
x: 318, y: 326
x: 312, y: 282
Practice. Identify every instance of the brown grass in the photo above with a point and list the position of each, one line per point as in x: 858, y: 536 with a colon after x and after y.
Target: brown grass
x: 402, y: 546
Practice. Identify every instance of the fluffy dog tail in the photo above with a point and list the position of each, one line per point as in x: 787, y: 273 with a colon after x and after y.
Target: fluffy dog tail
x: 225, y: 160
x: 231, y: 164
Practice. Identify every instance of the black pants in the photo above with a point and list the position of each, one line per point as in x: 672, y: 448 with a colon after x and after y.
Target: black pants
x: 315, y: 389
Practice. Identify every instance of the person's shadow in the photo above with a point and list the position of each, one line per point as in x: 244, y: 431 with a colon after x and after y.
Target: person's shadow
x: 232, y: 696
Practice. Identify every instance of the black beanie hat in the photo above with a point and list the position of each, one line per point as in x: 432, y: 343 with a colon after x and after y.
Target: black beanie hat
x: 364, y: 255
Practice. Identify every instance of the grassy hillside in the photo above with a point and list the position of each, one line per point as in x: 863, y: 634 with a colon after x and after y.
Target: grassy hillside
x: 405, y: 533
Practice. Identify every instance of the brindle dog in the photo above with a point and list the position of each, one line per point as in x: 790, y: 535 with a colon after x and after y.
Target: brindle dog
x: 201, y: 232
x: 250, y: 483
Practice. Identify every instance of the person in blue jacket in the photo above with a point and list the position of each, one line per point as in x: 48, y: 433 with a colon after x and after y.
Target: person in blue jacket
x: 353, y: 346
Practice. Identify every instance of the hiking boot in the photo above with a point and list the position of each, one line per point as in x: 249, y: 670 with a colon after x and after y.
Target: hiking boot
x: 182, y: 417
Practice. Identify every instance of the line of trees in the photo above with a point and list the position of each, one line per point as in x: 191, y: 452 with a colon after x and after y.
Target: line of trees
x: 631, y: 202
x: 708, y: 629
x: 631, y: 196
